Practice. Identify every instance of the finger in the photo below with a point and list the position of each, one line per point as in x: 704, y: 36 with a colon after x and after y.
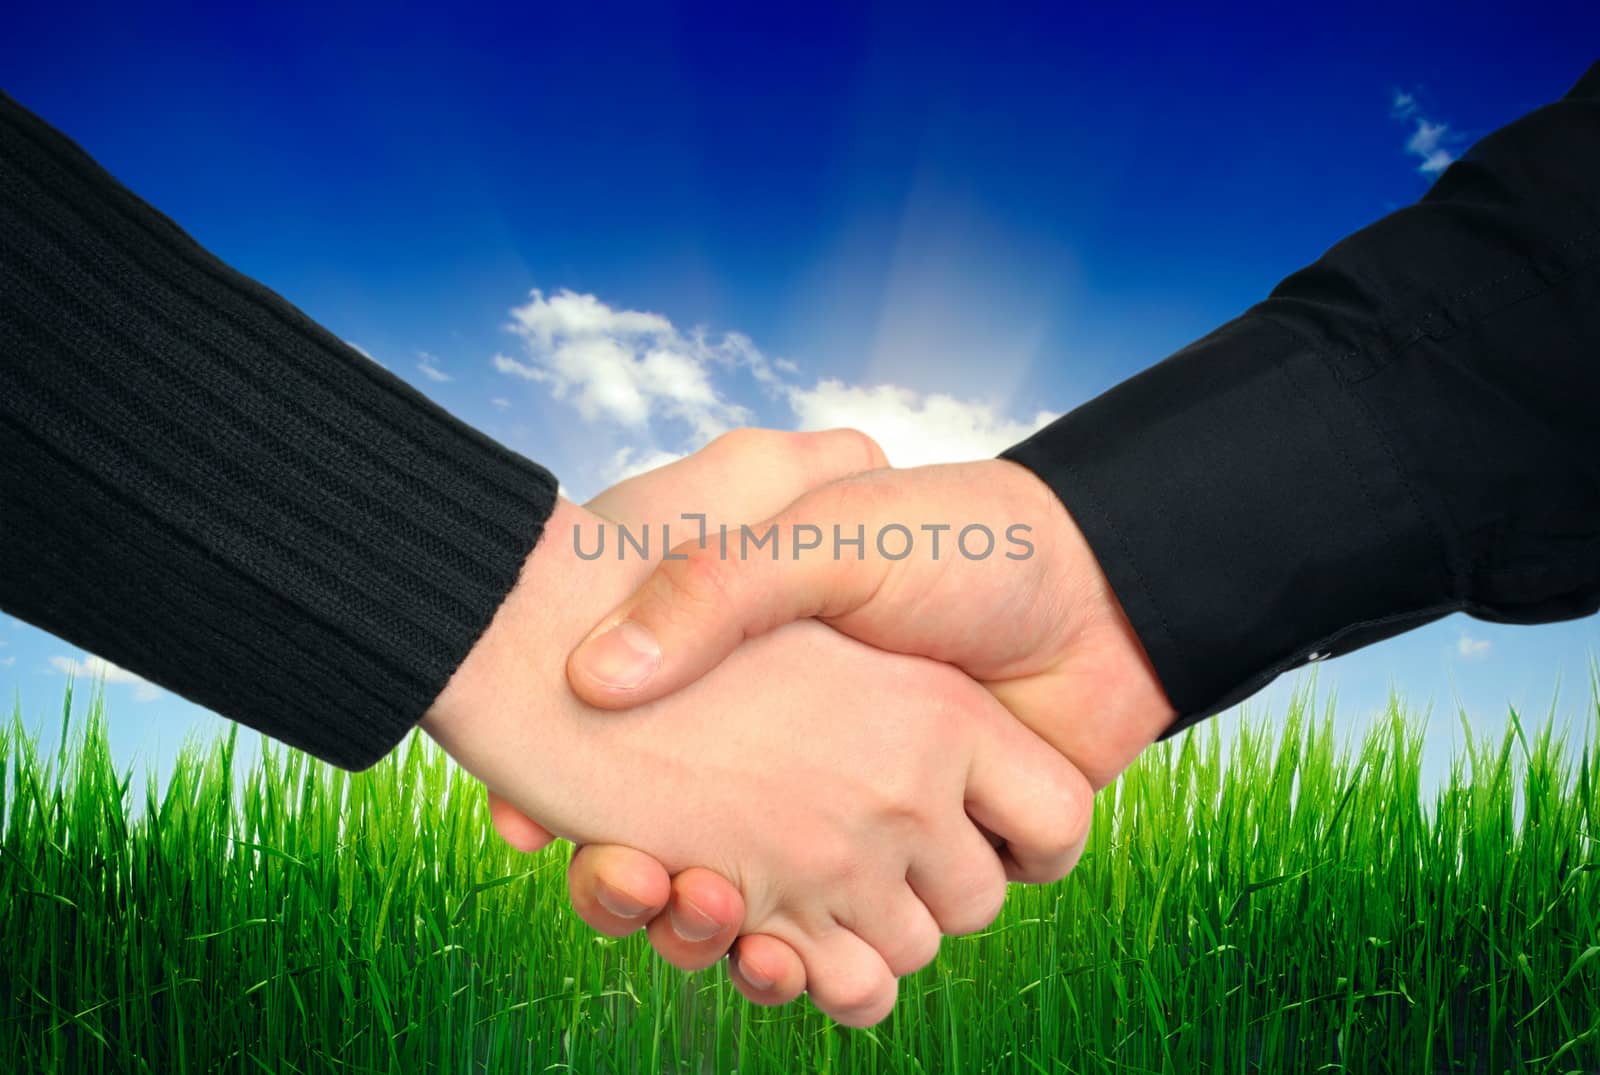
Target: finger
x: 616, y: 890
x: 702, y: 920
x: 516, y: 828
x: 1037, y: 872
x: 1127, y: 719
x: 1032, y: 798
x: 830, y: 454
x: 766, y: 970
x: 716, y: 479
x: 847, y: 979
x: 902, y: 931
x: 701, y: 603
x: 962, y: 884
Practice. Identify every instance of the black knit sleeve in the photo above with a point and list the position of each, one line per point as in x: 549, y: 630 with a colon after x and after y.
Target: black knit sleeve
x: 1407, y: 428
x: 200, y: 484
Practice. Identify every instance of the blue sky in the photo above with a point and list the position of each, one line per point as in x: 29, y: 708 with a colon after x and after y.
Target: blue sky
x: 941, y: 227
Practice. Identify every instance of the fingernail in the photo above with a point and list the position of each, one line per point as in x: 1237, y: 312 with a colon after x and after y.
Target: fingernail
x: 756, y: 979
x: 618, y: 903
x: 624, y: 656
x: 691, y: 923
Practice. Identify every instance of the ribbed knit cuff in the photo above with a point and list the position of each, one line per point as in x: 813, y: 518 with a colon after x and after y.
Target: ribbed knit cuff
x: 203, y: 486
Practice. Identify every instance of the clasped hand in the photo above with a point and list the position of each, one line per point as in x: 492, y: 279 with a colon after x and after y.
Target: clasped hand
x: 835, y: 794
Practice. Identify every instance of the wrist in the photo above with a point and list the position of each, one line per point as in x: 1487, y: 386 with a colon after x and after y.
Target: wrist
x: 515, y: 672
x: 1118, y: 703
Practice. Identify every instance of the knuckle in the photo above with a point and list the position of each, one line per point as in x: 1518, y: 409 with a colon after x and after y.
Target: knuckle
x: 1047, y: 862
x: 867, y: 450
x: 859, y: 999
x: 844, y: 451
x: 1073, y: 807
x: 979, y: 904
x: 738, y: 441
x: 988, y: 902
x: 897, y: 797
x: 931, y: 941
x: 918, y: 948
x: 1047, y: 847
x: 700, y: 578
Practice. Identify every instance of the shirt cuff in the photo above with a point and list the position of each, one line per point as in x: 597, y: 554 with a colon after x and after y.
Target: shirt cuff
x: 1247, y: 513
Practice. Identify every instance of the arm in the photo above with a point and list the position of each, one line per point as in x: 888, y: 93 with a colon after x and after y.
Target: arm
x: 1404, y: 429
x: 202, y: 485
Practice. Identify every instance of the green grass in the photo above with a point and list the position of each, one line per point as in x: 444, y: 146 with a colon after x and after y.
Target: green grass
x: 1280, y: 902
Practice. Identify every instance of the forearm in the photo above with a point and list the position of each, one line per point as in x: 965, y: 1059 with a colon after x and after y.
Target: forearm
x: 200, y: 484
x: 1403, y: 430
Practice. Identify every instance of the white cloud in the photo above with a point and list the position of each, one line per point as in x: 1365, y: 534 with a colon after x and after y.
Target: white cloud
x: 1425, y: 142
x: 100, y: 668
x: 7, y: 662
x: 1429, y: 142
x: 1472, y: 648
x: 913, y: 429
x: 629, y: 368
x: 662, y: 392
x: 567, y: 314
x: 428, y: 366
x: 511, y: 367
x: 501, y: 403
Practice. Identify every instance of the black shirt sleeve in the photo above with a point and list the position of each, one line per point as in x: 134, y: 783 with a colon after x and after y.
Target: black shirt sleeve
x: 1407, y: 428
x: 200, y: 484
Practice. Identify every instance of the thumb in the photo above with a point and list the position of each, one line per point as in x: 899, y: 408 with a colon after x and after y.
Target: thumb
x: 700, y: 603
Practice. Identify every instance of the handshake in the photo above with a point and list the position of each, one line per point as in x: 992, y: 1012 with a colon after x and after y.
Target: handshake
x: 826, y: 729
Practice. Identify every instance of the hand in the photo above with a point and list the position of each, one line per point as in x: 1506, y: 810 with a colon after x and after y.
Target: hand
x: 693, y: 917
x: 1045, y: 633
x: 850, y: 840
